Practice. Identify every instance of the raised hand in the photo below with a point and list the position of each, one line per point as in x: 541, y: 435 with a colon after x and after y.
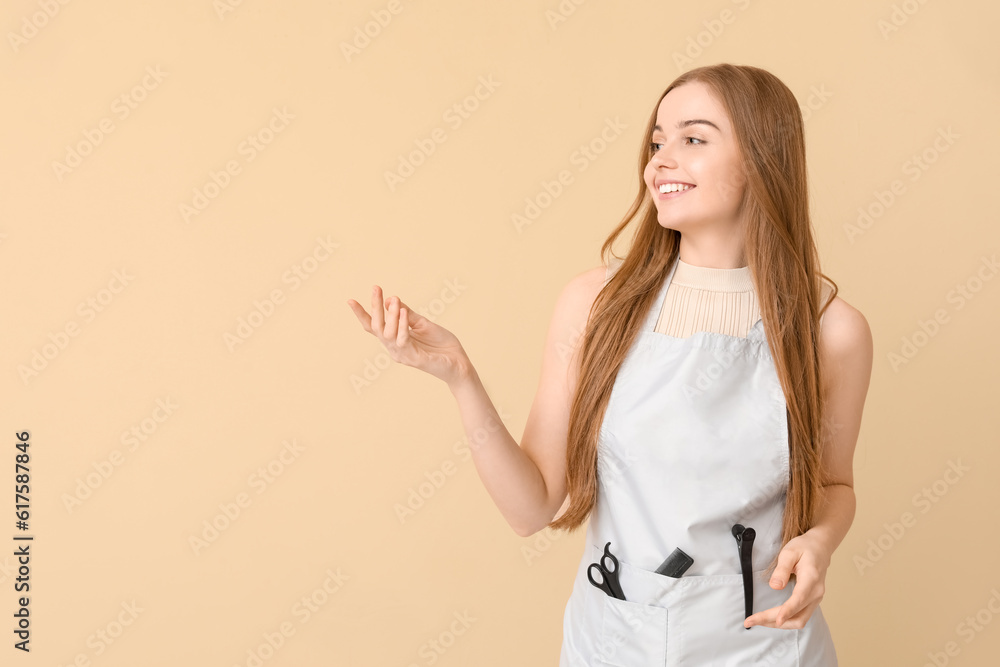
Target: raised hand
x: 411, y: 338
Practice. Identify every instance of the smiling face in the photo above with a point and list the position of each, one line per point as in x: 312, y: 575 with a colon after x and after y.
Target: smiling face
x: 693, y: 144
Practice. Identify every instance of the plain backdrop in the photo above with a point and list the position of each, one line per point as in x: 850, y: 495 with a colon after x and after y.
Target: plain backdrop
x: 225, y: 469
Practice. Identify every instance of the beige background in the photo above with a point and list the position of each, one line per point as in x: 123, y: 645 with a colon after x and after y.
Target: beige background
x: 359, y: 434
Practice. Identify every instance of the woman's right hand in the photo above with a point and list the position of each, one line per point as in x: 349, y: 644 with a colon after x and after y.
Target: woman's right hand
x: 412, y: 339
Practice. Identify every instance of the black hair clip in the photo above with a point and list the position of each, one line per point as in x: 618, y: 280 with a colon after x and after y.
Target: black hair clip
x: 744, y: 543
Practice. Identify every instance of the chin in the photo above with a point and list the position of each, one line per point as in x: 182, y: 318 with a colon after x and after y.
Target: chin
x: 667, y: 223
x: 672, y: 225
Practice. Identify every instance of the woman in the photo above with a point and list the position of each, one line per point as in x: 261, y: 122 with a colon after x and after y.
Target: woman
x: 712, y: 403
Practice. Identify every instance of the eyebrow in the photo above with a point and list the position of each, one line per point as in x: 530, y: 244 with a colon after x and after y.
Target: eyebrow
x: 685, y: 123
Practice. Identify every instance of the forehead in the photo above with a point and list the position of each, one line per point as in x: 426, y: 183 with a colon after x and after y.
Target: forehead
x: 689, y: 101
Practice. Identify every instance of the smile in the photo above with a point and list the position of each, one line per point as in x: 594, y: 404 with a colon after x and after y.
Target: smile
x: 673, y: 190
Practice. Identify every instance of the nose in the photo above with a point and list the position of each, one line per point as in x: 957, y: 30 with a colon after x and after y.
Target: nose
x: 663, y: 158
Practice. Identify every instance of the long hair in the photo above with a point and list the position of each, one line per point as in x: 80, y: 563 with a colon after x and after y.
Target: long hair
x: 784, y: 267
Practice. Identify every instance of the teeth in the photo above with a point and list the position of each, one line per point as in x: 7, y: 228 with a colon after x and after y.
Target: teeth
x: 674, y: 187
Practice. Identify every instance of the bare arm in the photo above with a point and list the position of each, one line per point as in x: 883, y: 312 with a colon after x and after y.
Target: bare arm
x: 846, y: 347
x: 846, y: 353
x: 528, y: 481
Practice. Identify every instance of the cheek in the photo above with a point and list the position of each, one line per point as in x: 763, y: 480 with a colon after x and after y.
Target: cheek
x: 731, y: 185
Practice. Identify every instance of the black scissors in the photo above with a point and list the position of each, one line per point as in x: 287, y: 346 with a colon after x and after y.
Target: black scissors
x: 609, y: 577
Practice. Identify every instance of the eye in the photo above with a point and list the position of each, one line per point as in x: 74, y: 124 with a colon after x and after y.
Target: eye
x: 653, y: 145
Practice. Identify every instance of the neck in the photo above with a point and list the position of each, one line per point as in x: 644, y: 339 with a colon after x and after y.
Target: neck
x: 713, y: 279
x: 711, y: 255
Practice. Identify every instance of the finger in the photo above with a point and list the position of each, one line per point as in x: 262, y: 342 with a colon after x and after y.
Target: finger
x: 404, y: 327
x: 800, y: 619
x: 787, y: 560
x: 412, y: 316
x: 767, y: 618
x: 361, y: 314
x: 392, y: 319
x: 777, y: 617
x: 378, y: 316
x: 796, y: 602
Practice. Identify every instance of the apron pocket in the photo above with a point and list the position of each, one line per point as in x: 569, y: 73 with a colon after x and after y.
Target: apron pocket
x: 709, y: 620
x: 689, y: 621
x: 632, y: 634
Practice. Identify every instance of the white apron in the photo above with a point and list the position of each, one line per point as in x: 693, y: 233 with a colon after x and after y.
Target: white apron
x: 694, y: 440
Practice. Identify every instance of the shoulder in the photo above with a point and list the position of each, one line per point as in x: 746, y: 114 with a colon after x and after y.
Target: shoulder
x: 846, y: 338
x: 577, y: 297
x: 586, y: 285
x: 581, y: 290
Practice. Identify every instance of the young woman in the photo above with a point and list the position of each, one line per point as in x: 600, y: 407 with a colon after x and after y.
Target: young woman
x: 711, y: 405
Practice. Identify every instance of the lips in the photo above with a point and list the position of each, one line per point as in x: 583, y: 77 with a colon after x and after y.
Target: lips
x: 674, y: 194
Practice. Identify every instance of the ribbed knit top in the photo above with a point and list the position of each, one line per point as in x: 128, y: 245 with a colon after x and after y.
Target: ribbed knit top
x: 701, y: 298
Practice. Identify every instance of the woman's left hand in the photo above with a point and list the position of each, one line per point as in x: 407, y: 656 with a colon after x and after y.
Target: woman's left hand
x: 807, y: 557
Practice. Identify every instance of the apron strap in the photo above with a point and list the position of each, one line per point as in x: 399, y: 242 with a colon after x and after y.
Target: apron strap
x: 653, y: 316
x: 757, y: 331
